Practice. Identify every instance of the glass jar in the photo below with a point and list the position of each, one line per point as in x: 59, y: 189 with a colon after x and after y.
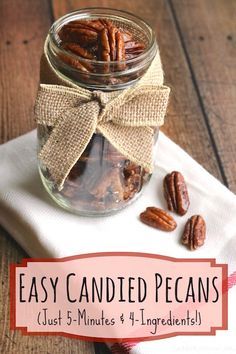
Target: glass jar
x: 102, y: 181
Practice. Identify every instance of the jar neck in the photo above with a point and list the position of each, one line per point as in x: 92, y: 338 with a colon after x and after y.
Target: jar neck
x: 106, y: 76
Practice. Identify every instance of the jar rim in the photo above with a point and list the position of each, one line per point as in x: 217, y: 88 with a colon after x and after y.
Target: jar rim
x: 96, y: 12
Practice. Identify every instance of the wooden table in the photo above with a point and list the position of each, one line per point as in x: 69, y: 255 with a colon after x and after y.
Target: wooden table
x: 197, y: 40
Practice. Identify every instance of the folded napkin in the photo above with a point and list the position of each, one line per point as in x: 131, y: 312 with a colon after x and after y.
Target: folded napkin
x: 45, y: 230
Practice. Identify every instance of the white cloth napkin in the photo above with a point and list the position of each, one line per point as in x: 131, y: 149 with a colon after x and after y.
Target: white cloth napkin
x: 43, y: 229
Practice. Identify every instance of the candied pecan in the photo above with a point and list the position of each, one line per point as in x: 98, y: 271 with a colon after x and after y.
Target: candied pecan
x: 104, y: 47
x: 120, y: 50
x: 112, y: 41
x: 96, y: 25
x: 158, y: 218
x: 133, y: 185
x: 120, y: 46
x: 194, y: 233
x: 134, y: 178
x: 82, y: 35
x: 131, y: 169
x: 112, y: 47
x: 110, y: 182
x: 133, y: 49
x: 78, y: 50
x: 132, y: 46
x: 73, y: 63
x: 176, y: 193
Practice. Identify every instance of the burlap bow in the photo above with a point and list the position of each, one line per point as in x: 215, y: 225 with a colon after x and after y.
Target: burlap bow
x: 126, y: 118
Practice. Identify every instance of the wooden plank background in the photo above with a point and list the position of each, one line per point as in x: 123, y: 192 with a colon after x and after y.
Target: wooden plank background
x: 197, y: 40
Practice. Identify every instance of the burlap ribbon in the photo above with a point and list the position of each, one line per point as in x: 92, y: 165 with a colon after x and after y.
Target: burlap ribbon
x: 126, y: 118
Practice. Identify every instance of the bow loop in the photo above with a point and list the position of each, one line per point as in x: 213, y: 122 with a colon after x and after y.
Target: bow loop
x: 74, y: 122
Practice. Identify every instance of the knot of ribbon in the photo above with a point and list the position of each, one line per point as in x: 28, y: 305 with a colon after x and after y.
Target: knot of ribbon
x: 102, y: 99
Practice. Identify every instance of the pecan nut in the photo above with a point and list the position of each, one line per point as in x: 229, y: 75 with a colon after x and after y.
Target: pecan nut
x: 78, y: 50
x: 109, y: 183
x: 194, y: 233
x: 112, y: 42
x: 112, y: 46
x: 95, y: 25
x: 104, y: 46
x: 158, y: 218
x: 78, y: 33
x: 74, y: 63
x: 176, y: 193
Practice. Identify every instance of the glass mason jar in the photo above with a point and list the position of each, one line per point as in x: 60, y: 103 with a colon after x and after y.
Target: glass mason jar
x: 102, y: 181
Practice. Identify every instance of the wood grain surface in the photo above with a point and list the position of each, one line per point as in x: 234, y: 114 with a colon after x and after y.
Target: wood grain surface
x: 197, y: 40
x: 208, y: 34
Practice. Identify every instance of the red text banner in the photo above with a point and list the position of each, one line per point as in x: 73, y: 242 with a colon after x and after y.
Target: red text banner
x: 119, y: 296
